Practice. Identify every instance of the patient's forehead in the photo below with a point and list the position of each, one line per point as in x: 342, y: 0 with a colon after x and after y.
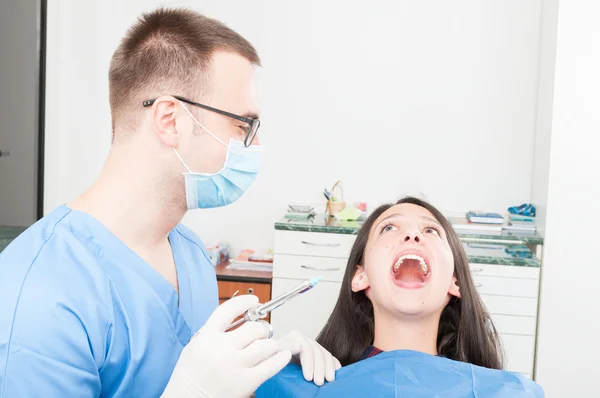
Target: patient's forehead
x: 408, y: 210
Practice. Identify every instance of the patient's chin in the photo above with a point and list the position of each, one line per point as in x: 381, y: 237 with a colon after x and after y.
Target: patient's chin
x: 416, y: 303
x: 415, y: 310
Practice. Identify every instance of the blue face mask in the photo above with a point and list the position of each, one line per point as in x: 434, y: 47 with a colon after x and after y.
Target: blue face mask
x: 205, y: 191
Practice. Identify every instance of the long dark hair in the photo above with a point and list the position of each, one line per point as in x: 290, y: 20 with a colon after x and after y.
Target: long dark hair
x: 462, y: 332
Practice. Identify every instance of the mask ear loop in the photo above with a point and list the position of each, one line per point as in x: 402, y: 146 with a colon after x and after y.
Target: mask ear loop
x: 184, y: 165
x: 200, y: 124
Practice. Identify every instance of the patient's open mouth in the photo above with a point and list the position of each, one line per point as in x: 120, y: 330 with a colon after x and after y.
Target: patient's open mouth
x: 411, y: 270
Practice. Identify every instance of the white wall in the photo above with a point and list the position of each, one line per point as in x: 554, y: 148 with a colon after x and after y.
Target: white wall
x: 432, y: 98
x: 568, y: 349
x: 19, y: 81
x: 539, y: 189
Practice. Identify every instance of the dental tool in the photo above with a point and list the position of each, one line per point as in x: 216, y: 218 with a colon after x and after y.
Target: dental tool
x: 260, y: 311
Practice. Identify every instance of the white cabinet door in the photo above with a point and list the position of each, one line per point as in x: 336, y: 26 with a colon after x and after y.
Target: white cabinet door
x: 500, y: 286
x: 507, y: 271
x: 307, y: 312
x: 519, y: 352
x: 523, y: 325
x: 313, y: 244
x: 506, y: 305
x: 307, y: 267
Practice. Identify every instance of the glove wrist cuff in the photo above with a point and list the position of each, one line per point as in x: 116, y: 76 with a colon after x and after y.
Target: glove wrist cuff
x: 181, y: 387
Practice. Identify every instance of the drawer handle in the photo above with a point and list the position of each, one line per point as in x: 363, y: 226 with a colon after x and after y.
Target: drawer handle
x: 320, y: 244
x: 478, y: 285
x: 474, y: 270
x: 229, y: 298
x: 319, y: 269
x: 251, y: 290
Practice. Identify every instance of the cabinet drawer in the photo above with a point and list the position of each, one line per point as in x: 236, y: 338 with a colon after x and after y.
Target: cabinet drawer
x: 506, y: 305
x: 524, y: 325
x: 502, y: 286
x: 228, y: 288
x: 307, y: 312
x: 313, y: 244
x: 518, y: 351
x: 508, y: 271
x: 306, y: 267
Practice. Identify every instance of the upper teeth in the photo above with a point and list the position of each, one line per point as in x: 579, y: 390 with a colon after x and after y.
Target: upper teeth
x: 424, y: 266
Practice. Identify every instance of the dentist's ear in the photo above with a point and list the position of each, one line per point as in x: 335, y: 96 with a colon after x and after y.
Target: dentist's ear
x: 360, y: 281
x: 164, y: 120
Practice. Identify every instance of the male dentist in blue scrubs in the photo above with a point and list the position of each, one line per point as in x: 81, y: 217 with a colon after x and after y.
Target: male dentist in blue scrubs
x: 109, y: 295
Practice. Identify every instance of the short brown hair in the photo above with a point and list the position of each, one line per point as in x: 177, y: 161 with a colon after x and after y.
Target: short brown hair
x: 167, y: 51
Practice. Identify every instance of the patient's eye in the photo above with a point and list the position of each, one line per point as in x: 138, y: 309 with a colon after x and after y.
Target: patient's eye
x: 388, y: 227
x: 432, y: 230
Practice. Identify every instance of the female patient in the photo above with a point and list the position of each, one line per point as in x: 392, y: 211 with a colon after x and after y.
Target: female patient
x: 408, y: 320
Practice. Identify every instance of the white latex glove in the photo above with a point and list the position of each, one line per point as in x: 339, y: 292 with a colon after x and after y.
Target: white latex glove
x: 216, y: 364
x: 317, y: 363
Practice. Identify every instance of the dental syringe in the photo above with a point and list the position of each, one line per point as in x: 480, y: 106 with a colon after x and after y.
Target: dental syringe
x: 262, y: 310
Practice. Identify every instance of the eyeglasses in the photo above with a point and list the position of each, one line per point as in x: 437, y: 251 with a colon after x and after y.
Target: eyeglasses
x: 251, y: 130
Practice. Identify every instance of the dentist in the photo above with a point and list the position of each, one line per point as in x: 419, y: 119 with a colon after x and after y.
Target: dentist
x: 109, y: 295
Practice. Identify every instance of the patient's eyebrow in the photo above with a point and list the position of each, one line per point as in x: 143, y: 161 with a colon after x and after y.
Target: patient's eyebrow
x: 398, y: 215
x: 431, y: 219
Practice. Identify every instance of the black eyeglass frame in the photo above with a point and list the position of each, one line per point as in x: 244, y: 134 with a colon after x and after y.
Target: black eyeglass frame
x: 253, y: 123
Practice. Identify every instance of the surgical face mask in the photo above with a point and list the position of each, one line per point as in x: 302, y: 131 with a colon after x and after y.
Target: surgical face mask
x: 205, y: 191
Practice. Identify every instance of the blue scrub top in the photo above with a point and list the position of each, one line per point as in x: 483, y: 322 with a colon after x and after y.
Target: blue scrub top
x: 82, y: 315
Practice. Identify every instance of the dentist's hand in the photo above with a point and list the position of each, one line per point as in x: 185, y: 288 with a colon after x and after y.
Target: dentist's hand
x: 317, y: 363
x: 234, y: 364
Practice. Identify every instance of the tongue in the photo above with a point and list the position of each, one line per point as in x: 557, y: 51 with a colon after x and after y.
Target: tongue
x: 410, y: 271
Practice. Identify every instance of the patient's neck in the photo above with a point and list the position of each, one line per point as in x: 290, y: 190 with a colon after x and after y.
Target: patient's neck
x: 418, y: 334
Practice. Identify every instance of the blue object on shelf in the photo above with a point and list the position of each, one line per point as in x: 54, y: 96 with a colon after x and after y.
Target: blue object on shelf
x: 519, y: 252
x: 526, y: 209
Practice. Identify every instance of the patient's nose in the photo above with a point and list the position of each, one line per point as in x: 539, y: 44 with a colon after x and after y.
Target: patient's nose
x: 412, y: 236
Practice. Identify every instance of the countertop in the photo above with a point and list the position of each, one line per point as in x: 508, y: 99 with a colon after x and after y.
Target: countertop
x: 506, y: 249
x: 500, y: 254
x: 323, y: 224
x: 481, y: 249
x: 232, y: 275
x: 7, y: 234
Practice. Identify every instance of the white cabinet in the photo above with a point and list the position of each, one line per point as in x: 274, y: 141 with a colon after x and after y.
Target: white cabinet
x: 304, y: 255
x: 510, y: 293
x: 313, y: 244
x: 518, y: 352
x: 506, y: 305
x: 500, y: 286
x: 306, y: 267
x: 517, y: 325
